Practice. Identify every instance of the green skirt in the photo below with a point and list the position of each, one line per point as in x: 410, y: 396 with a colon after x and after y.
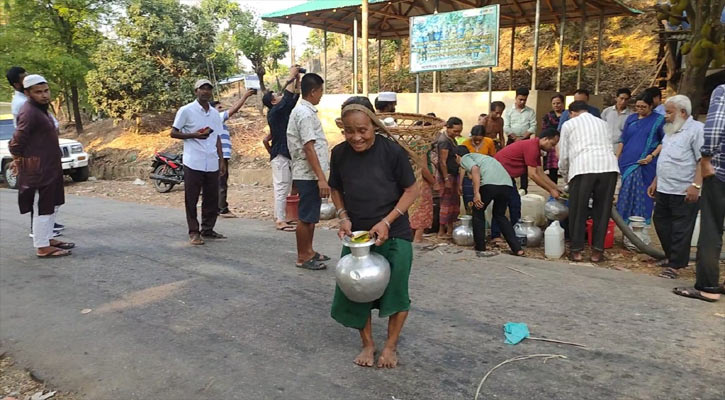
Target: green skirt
x: 399, y: 253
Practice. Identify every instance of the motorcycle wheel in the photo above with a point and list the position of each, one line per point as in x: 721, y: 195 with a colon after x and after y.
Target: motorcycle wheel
x: 163, y: 187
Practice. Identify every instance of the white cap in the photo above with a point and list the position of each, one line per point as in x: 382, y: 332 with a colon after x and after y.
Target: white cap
x: 202, y: 82
x: 387, y: 96
x: 32, y: 80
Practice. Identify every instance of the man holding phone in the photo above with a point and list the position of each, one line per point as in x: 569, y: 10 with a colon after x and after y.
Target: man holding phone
x: 198, y: 124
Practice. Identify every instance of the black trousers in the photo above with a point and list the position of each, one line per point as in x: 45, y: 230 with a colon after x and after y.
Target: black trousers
x: 599, y: 187
x: 500, y: 195
x: 525, y: 182
x: 223, y: 179
x: 206, y: 183
x: 554, y: 174
x: 712, y: 205
x: 674, y: 221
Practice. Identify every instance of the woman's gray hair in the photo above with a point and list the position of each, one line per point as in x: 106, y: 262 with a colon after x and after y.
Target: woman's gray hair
x: 681, y: 102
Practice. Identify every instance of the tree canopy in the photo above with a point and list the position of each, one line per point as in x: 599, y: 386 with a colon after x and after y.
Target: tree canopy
x: 55, y: 38
x: 161, y: 48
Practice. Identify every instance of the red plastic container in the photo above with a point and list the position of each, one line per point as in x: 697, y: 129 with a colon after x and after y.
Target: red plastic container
x: 608, y: 239
x: 291, y: 208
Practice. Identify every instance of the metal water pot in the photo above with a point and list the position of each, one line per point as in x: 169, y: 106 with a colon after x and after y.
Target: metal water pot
x: 463, y: 234
x: 556, y: 210
x: 534, y: 234
x: 327, y: 210
x: 362, y: 275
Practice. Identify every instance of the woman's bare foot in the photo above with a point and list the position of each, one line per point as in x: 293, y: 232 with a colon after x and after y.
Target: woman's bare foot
x: 366, y: 358
x: 388, y: 358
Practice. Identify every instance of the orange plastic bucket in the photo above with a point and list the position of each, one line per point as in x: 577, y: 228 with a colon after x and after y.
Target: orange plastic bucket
x: 291, y: 208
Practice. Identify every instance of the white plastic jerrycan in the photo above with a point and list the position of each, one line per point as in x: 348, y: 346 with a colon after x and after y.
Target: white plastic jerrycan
x: 554, y: 246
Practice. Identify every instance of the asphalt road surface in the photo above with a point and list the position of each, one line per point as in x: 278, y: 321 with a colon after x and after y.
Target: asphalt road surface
x: 236, y: 320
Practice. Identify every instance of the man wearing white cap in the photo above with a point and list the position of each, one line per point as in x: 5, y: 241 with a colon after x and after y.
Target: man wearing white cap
x: 386, y: 102
x: 199, y: 125
x: 36, y: 154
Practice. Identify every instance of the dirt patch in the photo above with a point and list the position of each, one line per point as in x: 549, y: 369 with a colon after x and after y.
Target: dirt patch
x: 18, y: 383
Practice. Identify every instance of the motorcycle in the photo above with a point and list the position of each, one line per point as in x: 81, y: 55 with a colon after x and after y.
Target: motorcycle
x: 168, y: 171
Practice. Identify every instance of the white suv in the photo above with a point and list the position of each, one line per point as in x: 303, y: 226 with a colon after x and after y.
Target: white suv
x: 73, y: 158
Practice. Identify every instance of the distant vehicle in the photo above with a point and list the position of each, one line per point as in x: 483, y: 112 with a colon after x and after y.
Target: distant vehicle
x: 73, y: 158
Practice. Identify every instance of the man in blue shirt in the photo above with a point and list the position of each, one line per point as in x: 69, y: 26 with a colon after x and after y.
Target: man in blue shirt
x: 280, y: 106
x: 579, y: 95
x: 226, y: 141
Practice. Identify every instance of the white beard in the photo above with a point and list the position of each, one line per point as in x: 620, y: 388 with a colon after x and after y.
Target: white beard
x: 672, y: 127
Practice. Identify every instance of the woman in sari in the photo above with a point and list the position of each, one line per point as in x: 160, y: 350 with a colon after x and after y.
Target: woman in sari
x: 639, y: 146
x: 421, y: 212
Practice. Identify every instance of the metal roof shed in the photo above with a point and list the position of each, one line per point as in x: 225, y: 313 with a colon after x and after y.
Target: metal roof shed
x: 383, y: 19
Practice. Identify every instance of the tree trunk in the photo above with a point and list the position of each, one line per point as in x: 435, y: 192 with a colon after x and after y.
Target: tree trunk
x: 66, y: 98
x: 76, y: 108
x: 262, y: 88
x: 692, y: 85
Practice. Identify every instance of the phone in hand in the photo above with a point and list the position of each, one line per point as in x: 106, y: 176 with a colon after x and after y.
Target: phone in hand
x: 254, y: 91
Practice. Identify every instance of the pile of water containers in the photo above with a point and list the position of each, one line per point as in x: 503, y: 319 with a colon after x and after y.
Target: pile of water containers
x: 536, y: 211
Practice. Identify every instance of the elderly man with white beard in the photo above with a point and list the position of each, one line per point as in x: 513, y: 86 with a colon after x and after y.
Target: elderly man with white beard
x: 676, y: 189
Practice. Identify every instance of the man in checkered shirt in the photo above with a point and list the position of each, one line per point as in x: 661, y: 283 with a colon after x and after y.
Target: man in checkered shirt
x: 712, y: 204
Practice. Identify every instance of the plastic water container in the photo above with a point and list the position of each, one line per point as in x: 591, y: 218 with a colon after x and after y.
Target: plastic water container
x: 608, y: 238
x: 532, y: 205
x: 292, y: 207
x: 554, y: 245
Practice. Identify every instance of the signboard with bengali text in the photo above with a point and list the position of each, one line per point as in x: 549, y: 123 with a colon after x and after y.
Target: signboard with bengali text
x: 453, y: 40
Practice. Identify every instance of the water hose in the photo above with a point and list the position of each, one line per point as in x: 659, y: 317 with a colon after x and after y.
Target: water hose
x: 644, y: 248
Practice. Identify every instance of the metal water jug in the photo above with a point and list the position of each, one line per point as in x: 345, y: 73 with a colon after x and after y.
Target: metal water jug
x: 534, y: 234
x: 327, y: 210
x: 463, y: 234
x: 362, y: 275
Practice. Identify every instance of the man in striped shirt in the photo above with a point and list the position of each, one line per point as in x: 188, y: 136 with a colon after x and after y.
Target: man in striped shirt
x: 226, y: 141
x: 587, y: 162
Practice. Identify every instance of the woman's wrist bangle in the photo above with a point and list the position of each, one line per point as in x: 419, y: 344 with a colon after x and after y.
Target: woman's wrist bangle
x: 399, y: 212
x: 386, y: 223
x: 340, y: 211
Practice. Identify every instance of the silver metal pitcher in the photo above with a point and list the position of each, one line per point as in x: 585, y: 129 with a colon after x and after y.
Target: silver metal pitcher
x: 463, y: 234
x: 327, y: 210
x: 362, y: 275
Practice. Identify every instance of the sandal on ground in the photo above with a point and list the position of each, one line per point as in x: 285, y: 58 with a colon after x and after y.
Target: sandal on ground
x: 195, y: 239
x: 55, y: 252
x: 600, y: 258
x: 212, y: 235
x: 62, y: 245
x: 669, y: 273
x: 520, y: 253
x: 692, y: 293
x: 486, y: 253
x: 662, y: 263
x: 320, y: 257
x: 575, y: 256
x: 286, y: 228
x: 312, y: 264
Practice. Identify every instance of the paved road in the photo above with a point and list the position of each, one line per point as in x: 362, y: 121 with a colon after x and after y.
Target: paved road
x: 235, y: 320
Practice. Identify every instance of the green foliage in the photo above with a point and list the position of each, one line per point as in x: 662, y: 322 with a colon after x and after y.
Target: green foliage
x: 162, y: 47
x: 54, y: 38
x: 262, y: 44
